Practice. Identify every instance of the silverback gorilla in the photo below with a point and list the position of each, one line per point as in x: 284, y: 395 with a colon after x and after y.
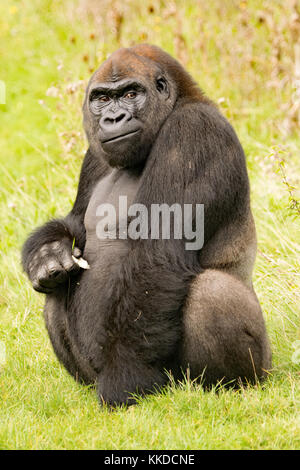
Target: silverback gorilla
x: 147, y: 306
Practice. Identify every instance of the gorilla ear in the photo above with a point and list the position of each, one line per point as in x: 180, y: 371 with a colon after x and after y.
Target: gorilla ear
x: 162, y: 86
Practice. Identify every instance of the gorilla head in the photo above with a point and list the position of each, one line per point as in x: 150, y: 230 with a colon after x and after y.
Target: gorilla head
x: 128, y: 99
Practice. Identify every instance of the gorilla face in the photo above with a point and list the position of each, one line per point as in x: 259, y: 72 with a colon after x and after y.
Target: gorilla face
x: 119, y: 107
x: 122, y: 115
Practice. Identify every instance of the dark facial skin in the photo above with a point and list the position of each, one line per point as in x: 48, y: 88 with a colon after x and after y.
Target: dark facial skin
x: 123, y: 117
x: 117, y: 105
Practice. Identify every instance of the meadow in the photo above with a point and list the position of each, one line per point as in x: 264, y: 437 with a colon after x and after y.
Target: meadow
x: 245, y: 55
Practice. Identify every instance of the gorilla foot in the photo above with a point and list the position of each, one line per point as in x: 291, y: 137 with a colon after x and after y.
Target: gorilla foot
x: 123, y: 386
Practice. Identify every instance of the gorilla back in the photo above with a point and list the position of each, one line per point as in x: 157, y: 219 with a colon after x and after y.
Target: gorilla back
x: 147, y: 306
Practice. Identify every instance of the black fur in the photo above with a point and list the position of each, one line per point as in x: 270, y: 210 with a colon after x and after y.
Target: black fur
x: 125, y: 321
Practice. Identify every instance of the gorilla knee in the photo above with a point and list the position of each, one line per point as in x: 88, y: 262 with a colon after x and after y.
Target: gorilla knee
x: 224, y: 332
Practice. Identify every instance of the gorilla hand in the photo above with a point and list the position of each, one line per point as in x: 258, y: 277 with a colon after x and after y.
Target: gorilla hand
x: 52, y: 265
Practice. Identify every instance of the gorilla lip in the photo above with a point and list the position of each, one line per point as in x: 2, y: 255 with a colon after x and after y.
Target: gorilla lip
x: 119, y: 137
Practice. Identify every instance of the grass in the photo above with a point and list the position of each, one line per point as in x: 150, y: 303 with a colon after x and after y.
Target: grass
x: 247, y: 63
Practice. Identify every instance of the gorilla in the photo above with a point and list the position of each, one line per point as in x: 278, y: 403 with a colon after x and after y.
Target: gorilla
x: 123, y: 313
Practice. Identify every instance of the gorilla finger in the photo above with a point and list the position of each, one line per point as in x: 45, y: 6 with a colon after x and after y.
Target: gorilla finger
x: 43, y: 290
x: 34, y: 262
x: 49, y: 283
x: 44, y: 251
x: 68, y: 263
x: 76, y: 252
x: 56, y: 246
x: 42, y: 273
x: 57, y: 277
x: 48, y: 280
x: 53, y: 267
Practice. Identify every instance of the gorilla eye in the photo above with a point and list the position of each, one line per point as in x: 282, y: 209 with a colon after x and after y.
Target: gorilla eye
x: 130, y: 95
x: 103, y: 98
x: 97, y: 96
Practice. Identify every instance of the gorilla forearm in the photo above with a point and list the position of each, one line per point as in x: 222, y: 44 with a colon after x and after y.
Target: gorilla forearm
x: 72, y: 226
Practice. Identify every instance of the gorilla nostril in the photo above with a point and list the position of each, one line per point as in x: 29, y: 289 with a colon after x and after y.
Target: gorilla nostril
x: 120, y: 117
x: 108, y: 121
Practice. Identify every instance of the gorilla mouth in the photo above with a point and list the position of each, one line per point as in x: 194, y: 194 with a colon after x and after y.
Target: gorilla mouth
x: 120, y: 137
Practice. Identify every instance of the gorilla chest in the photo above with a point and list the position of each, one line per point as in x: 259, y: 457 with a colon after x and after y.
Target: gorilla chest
x: 106, y: 214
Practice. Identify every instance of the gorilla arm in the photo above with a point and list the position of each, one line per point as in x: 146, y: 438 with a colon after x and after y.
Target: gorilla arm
x: 46, y: 255
x: 197, y: 159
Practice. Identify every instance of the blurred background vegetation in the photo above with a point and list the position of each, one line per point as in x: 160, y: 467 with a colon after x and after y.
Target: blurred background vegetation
x: 245, y: 55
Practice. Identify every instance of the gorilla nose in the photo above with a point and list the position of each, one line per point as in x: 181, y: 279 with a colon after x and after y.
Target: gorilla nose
x: 117, y: 126
x: 114, y: 121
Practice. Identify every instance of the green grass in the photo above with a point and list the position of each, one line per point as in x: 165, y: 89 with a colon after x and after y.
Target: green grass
x: 245, y: 62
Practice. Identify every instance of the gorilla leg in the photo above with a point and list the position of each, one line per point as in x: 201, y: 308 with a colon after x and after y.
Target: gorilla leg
x: 224, y: 334
x: 64, y: 347
x: 118, y: 385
